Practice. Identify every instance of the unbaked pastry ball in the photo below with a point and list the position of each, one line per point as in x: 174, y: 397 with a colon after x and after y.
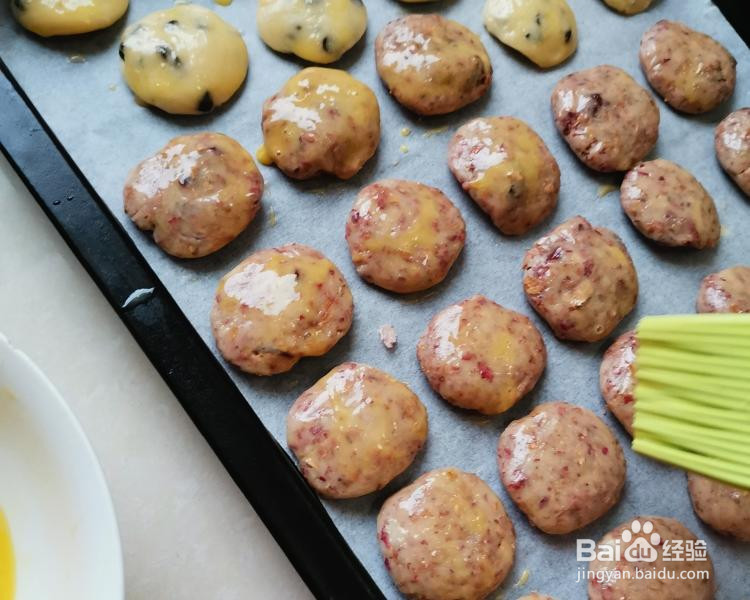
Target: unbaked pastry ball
x: 319, y: 31
x: 650, y: 532
x: 481, y: 356
x: 732, y: 143
x: 355, y: 430
x: 629, y: 7
x: 184, y: 60
x: 321, y: 121
x: 727, y: 291
x: 446, y: 536
x: 670, y: 206
x: 65, y: 17
x: 581, y: 280
x: 607, y: 119
x: 196, y: 194
x: 617, y: 379
x: 691, y: 71
x: 562, y: 466
x: 507, y: 170
x: 723, y: 507
x: 544, y: 31
x: 279, y: 305
x: 404, y: 236
x: 432, y: 65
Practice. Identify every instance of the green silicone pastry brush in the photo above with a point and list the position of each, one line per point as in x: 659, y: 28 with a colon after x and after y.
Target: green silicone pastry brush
x: 693, y: 393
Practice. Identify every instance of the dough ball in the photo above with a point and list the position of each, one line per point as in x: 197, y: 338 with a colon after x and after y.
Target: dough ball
x: 185, y: 60
x: 617, y: 379
x: 727, y: 291
x: 279, y: 305
x: 432, y: 65
x: 404, y: 236
x: 692, y: 71
x: 732, y: 142
x: 197, y: 194
x: 607, y: 119
x: 628, y: 7
x: 355, y: 430
x: 721, y: 506
x: 321, y: 121
x: 320, y: 31
x: 544, y: 31
x: 63, y: 17
x: 446, y: 536
x: 670, y: 206
x: 481, y: 356
x: 562, y: 466
x: 581, y: 280
x: 651, y: 532
x: 507, y: 169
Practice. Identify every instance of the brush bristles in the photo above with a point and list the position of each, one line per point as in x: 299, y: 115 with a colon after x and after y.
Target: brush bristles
x: 693, y: 394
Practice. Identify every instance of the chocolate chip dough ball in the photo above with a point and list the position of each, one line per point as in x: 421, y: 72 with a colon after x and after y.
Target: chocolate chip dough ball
x: 562, y: 466
x: 691, y: 71
x: 432, y: 65
x: 446, y: 536
x: 581, y: 280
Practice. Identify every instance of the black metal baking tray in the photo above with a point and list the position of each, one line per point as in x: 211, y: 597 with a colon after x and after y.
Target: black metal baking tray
x: 259, y: 466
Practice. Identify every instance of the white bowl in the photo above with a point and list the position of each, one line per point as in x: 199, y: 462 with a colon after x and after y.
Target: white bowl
x: 53, y: 492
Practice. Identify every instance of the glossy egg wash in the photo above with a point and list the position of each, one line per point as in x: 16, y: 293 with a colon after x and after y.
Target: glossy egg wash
x: 7, y: 561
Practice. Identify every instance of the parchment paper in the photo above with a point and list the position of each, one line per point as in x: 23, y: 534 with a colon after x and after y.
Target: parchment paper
x: 93, y: 113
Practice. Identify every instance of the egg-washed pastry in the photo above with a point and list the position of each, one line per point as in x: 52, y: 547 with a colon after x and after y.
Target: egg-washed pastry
x: 197, y: 194
x: 670, y: 206
x: 690, y: 70
x: 732, y: 144
x: 544, y: 31
x: 432, y: 65
x: 562, y: 466
x: 446, y: 536
x: 278, y: 306
x: 355, y: 430
x: 67, y: 17
x: 581, y: 280
x: 628, y: 7
x: 621, y: 578
x: 507, y: 170
x: 609, y: 121
x: 321, y: 121
x: 319, y: 31
x: 184, y: 60
x: 481, y: 356
x: 404, y: 236
x: 726, y: 291
x: 617, y: 379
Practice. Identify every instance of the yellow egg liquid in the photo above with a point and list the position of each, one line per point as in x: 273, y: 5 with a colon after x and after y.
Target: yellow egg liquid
x: 7, y: 562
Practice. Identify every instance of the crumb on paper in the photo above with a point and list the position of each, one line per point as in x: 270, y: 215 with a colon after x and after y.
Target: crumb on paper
x: 76, y: 58
x: 395, y: 163
x: 388, y: 336
x: 272, y: 220
x: 725, y: 231
x: 112, y: 87
x: 263, y: 156
x: 605, y: 189
x: 523, y: 579
x: 404, y: 148
x: 405, y: 132
x: 435, y: 131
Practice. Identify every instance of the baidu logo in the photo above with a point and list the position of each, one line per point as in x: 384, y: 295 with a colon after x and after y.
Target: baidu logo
x: 638, y: 543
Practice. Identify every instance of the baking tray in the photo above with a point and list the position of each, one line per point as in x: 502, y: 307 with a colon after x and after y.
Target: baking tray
x: 72, y: 131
